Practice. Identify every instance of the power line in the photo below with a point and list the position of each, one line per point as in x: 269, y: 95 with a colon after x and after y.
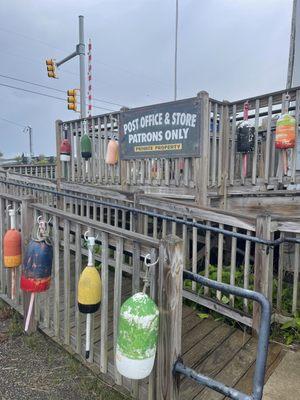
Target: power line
x: 33, y: 61
x: 46, y: 95
x: 134, y: 73
x: 54, y: 89
x: 12, y: 122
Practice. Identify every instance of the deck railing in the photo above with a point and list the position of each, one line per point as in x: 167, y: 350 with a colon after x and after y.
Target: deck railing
x: 223, y: 174
x: 214, y: 255
x: 45, y: 171
x: 120, y: 260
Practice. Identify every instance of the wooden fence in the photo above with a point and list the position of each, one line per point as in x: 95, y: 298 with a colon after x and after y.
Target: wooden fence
x: 120, y: 262
x: 46, y: 171
x: 217, y: 172
x: 215, y: 255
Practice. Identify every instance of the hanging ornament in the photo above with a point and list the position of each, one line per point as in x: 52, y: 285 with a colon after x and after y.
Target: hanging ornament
x: 285, y: 133
x: 89, y: 291
x: 137, y: 335
x: 85, y: 144
x: 245, y: 138
x: 37, y: 265
x: 65, y: 147
x: 112, y: 152
x: 12, y: 249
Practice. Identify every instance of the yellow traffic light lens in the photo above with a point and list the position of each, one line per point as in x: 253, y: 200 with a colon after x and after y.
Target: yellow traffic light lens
x: 72, y: 107
x: 71, y: 99
x: 71, y: 92
x: 49, y: 62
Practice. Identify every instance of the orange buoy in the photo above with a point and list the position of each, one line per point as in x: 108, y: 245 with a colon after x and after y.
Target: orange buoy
x: 12, y: 249
x: 112, y: 152
x: 285, y: 134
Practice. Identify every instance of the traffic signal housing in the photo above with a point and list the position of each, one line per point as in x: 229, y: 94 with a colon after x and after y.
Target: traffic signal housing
x: 51, y: 68
x: 72, y: 99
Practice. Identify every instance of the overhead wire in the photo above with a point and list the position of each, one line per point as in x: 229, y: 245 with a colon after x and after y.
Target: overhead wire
x: 12, y: 122
x: 46, y: 95
x: 134, y: 73
x: 54, y: 89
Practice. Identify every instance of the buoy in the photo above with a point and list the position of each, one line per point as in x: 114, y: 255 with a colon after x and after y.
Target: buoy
x: 137, y: 336
x: 85, y: 143
x: 37, y: 265
x: 89, y: 292
x: 112, y: 152
x: 65, y: 146
x: 285, y: 133
x: 65, y: 150
x: 12, y: 249
x: 245, y: 138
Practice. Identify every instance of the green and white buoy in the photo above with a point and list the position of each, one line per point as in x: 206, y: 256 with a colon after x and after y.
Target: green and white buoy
x: 137, y: 336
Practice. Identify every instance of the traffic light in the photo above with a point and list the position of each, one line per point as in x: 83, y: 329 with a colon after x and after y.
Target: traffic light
x: 72, y: 99
x: 51, y: 68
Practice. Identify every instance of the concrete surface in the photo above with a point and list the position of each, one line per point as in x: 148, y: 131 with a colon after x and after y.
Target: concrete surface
x: 284, y: 383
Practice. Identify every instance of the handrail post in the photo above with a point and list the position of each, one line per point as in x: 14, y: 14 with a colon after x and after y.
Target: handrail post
x: 263, y: 268
x: 201, y: 163
x: 170, y: 307
x: 27, y: 222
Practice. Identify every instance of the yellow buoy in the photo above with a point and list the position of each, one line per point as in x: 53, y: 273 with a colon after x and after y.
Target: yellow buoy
x: 89, y: 290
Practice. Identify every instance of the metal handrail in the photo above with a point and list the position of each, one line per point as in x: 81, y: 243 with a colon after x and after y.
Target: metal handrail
x: 262, y: 347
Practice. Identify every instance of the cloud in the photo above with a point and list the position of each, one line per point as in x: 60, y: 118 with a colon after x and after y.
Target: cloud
x: 231, y: 48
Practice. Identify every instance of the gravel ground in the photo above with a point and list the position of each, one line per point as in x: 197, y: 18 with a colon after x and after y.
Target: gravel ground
x: 33, y: 367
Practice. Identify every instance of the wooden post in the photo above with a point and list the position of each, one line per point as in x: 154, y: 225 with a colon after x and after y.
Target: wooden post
x: 225, y: 155
x: 263, y: 269
x: 27, y: 223
x: 123, y: 167
x: 170, y: 307
x: 201, y: 164
x: 58, y: 162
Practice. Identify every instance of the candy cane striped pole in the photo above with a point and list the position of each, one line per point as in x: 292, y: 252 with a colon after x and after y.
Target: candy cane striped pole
x: 90, y: 78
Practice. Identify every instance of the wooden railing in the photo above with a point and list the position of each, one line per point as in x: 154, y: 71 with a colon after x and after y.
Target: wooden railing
x: 46, y: 171
x: 221, y: 164
x: 215, y: 255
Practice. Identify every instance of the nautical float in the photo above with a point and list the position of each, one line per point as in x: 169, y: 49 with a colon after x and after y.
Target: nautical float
x: 112, y: 152
x: 65, y: 147
x: 285, y: 133
x: 137, y: 336
x: 12, y: 249
x: 37, y: 265
x: 89, y: 292
x: 245, y: 138
x: 137, y: 333
x: 85, y: 144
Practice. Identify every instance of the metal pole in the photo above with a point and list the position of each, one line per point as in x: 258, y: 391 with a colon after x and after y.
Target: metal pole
x: 81, y: 51
x: 30, y: 141
x: 175, y: 64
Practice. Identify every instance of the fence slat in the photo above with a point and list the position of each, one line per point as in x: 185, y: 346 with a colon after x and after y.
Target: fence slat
x: 104, y: 304
x: 117, y: 299
x: 67, y: 287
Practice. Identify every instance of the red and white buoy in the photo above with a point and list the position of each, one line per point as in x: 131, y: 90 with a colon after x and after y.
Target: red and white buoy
x: 37, y: 265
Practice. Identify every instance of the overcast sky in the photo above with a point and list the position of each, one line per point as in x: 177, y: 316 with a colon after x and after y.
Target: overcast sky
x: 231, y: 48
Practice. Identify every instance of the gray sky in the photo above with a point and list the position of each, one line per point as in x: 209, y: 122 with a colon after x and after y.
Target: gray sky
x: 231, y: 48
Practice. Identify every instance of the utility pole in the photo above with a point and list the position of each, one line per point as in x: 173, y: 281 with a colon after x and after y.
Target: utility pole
x: 80, y: 51
x: 175, y: 61
x: 28, y: 129
x: 293, y: 76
